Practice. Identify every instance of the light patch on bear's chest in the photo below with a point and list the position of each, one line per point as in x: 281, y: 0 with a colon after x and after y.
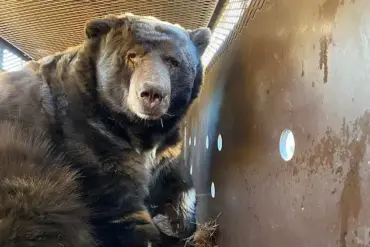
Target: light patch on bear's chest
x: 150, y: 158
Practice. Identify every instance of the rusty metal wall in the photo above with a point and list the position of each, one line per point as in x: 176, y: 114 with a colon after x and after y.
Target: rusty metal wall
x: 299, y: 65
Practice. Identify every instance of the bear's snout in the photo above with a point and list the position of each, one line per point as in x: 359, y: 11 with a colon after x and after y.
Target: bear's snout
x: 150, y: 88
x: 153, y: 98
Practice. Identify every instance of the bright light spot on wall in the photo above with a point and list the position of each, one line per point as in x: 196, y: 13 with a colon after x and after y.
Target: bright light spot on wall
x: 213, y: 190
x: 287, y: 145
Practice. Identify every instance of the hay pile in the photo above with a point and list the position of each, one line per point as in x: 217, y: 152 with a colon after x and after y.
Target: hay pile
x: 205, y: 236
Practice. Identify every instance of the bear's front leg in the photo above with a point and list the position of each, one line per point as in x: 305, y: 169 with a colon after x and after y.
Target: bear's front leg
x: 134, y: 229
x: 121, y: 218
x: 172, y: 194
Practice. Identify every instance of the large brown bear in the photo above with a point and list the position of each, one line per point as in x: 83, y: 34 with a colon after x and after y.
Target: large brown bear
x: 87, y: 133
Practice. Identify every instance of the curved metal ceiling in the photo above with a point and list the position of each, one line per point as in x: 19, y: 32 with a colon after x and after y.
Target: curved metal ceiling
x: 42, y: 27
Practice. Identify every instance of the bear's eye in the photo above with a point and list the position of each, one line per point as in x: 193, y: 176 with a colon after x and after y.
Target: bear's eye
x: 131, y: 56
x: 172, y: 61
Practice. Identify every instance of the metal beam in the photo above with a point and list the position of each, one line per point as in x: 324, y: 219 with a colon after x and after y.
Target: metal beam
x: 5, y: 44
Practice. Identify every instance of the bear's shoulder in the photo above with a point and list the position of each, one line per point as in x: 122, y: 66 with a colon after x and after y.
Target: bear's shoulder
x: 24, y: 96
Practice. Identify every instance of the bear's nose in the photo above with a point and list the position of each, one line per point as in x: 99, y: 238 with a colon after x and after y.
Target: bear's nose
x: 151, y: 95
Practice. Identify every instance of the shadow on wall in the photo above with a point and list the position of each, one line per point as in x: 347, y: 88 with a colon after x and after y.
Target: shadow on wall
x: 248, y: 98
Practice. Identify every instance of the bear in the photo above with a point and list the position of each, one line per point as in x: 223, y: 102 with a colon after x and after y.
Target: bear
x: 171, y: 190
x: 88, y: 133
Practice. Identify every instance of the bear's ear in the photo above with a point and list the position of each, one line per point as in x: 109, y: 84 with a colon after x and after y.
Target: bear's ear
x: 201, y: 38
x: 99, y: 27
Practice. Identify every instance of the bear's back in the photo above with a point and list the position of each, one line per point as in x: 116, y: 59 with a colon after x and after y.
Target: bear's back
x: 25, y: 98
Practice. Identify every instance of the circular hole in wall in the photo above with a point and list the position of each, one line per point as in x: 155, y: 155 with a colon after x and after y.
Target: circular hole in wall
x: 213, y: 190
x: 191, y: 170
x: 287, y: 145
x: 189, y: 141
x: 195, y: 141
x: 207, y: 142
x: 219, y: 142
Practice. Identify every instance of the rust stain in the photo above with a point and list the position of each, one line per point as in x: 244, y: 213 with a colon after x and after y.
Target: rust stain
x: 323, y: 62
x: 350, y: 146
x: 331, y: 145
x: 322, y: 153
x: 329, y: 9
x: 350, y: 201
x: 327, y: 12
x: 302, y: 73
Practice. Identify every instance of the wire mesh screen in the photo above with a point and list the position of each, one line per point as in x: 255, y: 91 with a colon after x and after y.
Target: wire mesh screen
x: 9, y: 61
x: 40, y: 27
x: 234, y: 16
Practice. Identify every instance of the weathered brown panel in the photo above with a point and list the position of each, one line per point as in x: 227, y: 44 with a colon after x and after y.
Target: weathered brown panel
x: 302, y: 65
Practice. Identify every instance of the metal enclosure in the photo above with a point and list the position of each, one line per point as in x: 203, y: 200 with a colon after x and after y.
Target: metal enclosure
x: 302, y: 65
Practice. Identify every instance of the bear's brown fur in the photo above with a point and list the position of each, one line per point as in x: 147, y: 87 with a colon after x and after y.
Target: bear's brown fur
x: 40, y: 202
x: 80, y: 131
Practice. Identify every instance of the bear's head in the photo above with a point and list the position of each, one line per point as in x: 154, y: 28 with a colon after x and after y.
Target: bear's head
x: 146, y: 68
